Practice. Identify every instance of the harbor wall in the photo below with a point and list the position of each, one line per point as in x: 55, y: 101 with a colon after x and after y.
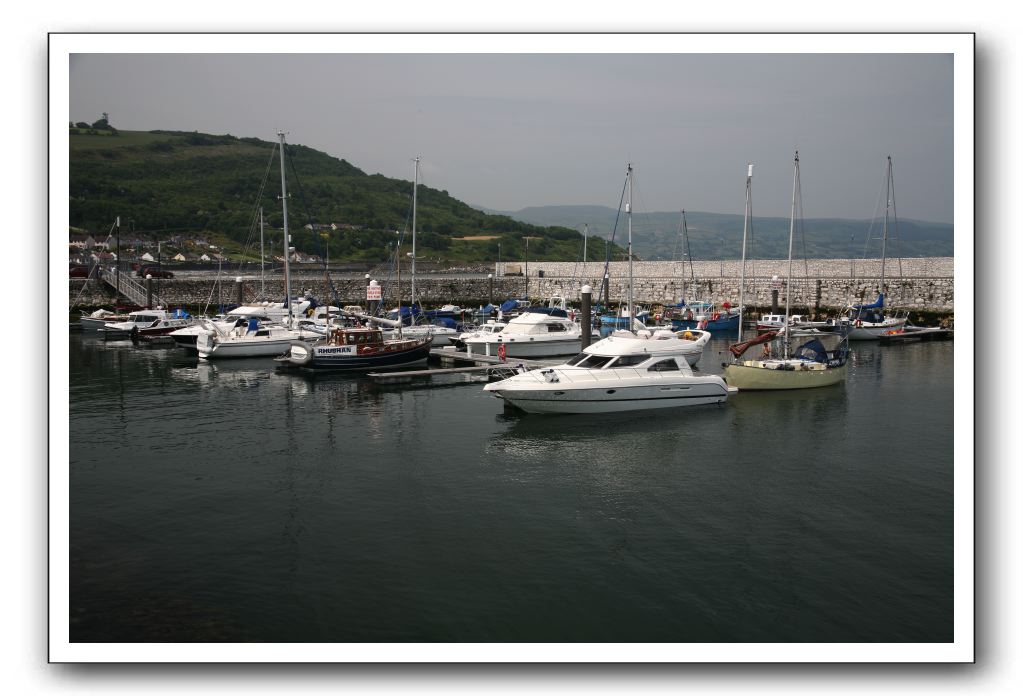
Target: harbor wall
x: 925, y: 285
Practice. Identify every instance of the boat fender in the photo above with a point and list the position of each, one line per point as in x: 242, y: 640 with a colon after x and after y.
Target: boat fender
x: 859, y: 323
x: 501, y: 352
x: 304, y: 357
x: 714, y: 316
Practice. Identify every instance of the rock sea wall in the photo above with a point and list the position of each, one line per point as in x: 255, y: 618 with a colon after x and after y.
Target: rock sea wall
x: 920, y: 284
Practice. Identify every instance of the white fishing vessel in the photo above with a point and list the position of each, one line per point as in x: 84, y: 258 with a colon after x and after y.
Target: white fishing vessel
x: 812, y: 364
x: 623, y: 372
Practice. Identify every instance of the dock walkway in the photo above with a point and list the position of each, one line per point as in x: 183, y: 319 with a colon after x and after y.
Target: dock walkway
x: 480, y: 363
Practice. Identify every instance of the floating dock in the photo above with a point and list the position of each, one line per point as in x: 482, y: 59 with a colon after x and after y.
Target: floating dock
x: 448, y: 356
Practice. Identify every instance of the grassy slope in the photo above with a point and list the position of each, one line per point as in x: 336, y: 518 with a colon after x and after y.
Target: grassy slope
x: 169, y: 183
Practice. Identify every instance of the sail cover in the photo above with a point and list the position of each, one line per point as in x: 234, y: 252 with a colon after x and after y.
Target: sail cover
x: 738, y: 349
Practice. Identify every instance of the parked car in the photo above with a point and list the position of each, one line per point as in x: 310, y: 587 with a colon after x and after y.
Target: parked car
x: 155, y: 272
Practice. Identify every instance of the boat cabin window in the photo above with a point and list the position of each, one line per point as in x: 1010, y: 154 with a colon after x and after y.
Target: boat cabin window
x: 144, y: 319
x: 630, y: 360
x: 552, y: 328
x: 577, y: 359
x: 594, y: 362
x: 667, y: 365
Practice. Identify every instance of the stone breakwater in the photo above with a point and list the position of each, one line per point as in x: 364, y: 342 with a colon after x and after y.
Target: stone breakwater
x: 922, y: 285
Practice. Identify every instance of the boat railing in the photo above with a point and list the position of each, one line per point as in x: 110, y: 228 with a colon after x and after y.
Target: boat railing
x: 128, y: 286
x: 613, y: 374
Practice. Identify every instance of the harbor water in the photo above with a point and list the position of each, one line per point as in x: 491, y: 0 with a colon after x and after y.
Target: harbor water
x: 229, y: 502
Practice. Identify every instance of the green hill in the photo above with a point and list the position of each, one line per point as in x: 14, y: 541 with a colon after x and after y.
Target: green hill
x: 166, y: 183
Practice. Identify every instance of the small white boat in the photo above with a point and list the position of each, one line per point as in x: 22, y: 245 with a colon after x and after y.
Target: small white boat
x: 249, y: 340
x: 491, y: 327
x: 623, y: 372
x: 441, y: 335
x: 146, y: 323
x: 100, y: 318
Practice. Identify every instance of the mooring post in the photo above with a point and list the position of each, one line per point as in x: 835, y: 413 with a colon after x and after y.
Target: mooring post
x: 490, y: 278
x: 585, y: 318
x: 607, y: 290
x: 149, y: 292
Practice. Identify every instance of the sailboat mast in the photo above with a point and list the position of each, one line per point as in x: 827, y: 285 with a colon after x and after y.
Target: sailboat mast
x: 745, y: 229
x: 792, y: 228
x: 884, y: 236
x: 415, y: 191
x: 287, y: 235
x: 262, y: 279
x: 628, y: 210
x: 586, y: 235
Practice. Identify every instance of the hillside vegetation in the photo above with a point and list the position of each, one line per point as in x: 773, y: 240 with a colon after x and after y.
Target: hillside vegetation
x: 167, y: 183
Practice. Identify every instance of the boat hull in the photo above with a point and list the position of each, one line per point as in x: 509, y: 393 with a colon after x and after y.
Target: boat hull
x: 525, y: 348
x: 863, y: 331
x: 339, y: 358
x: 254, y: 348
x: 627, y: 398
x: 751, y: 375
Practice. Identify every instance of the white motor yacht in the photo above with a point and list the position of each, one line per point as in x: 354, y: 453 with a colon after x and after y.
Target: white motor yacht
x: 623, y: 372
x: 532, y: 334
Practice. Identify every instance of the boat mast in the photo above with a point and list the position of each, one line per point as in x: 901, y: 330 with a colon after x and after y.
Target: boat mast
x: 415, y: 190
x: 745, y: 228
x: 788, y: 282
x: 884, y: 236
x: 287, y: 236
x: 262, y: 279
x: 628, y: 211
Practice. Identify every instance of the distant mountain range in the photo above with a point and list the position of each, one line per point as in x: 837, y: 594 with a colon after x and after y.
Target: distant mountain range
x: 712, y: 236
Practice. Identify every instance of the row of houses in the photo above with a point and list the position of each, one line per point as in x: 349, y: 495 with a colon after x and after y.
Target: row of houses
x: 106, y: 257
x: 87, y: 242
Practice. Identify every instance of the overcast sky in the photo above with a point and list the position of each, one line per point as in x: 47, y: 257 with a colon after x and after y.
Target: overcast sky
x: 511, y: 131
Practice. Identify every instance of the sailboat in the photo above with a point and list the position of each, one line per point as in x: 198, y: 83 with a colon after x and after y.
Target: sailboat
x: 811, y: 364
x: 254, y: 337
x: 442, y: 335
x: 866, y: 322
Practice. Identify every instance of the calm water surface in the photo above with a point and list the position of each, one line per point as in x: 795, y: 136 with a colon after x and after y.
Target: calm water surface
x: 227, y: 502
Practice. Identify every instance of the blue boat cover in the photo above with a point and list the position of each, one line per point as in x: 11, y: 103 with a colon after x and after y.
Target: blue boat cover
x: 812, y: 350
x: 877, y: 304
x: 549, y: 311
x: 509, y: 305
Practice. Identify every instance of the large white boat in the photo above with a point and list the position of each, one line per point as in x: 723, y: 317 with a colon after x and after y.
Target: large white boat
x: 623, y: 372
x: 532, y: 334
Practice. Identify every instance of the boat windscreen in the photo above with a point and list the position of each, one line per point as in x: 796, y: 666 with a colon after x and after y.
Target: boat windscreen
x: 595, y: 362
